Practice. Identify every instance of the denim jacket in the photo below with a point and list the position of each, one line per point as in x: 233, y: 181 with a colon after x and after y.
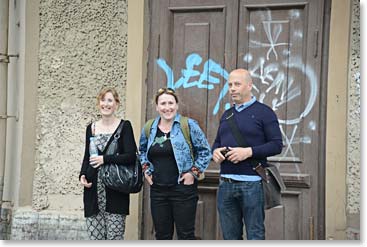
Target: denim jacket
x: 181, y: 150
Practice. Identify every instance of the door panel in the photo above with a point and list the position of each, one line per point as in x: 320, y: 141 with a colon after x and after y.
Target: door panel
x: 193, y: 46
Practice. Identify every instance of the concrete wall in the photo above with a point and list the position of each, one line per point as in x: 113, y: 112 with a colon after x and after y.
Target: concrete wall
x: 83, y: 47
x: 354, y: 129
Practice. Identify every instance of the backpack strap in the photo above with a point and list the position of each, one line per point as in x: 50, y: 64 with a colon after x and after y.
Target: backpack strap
x: 184, y: 122
x: 147, y: 127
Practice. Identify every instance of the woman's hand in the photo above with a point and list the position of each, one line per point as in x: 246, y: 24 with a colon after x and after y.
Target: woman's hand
x: 96, y: 161
x: 187, y: 178
x: 149, y: 178
x: 84, y: 182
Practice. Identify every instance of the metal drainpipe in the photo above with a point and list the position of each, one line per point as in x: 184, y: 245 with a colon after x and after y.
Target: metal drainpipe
x: 4, y: 60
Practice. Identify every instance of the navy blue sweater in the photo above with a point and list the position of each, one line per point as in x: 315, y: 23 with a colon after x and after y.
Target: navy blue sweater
x: 260, y: 128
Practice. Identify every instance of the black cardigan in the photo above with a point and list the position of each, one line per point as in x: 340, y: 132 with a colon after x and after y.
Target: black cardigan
x: 116, y: 202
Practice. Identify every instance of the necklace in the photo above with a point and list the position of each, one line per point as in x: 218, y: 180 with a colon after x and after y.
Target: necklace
x: 165, y: 129
x: 165, y: 135
x: 165, y: 132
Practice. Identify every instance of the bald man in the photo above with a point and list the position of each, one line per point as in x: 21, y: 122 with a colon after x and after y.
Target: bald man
x: 240, y: 198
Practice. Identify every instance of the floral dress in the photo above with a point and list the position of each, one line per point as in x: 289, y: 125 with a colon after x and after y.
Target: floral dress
x: 104, y: 225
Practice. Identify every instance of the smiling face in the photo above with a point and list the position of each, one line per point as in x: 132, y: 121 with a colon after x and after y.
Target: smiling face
x: 167, y: 106
x: 240, y: 85
x: 108, y: 104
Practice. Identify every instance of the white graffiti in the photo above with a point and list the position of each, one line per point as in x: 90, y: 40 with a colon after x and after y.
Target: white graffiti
x: 282, y: 79
x: 272, y: 31
x: 312, y: 125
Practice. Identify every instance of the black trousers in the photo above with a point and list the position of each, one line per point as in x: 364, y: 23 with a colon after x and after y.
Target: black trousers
x: 174, y: 206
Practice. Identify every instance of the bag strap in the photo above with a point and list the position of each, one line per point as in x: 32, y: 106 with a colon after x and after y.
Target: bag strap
x: 119, y: 129
x: 235, y: 130
x: 112, y: 144
x: 240, y: 139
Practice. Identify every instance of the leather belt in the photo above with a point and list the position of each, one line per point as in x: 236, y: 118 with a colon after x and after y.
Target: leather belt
x: 229, y: 180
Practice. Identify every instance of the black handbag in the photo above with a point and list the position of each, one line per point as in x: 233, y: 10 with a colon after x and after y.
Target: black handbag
x: 272, y: 182
x: 273, y: 185
x: 124, y: 178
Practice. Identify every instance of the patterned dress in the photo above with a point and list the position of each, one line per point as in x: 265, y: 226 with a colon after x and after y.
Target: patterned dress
x: 104, y: 225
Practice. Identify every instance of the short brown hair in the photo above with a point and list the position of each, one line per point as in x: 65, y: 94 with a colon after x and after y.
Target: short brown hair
x: 105, y: 90
x: 165, y: 90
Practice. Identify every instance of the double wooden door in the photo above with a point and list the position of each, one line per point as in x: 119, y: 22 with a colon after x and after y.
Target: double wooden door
x: 193, y: 45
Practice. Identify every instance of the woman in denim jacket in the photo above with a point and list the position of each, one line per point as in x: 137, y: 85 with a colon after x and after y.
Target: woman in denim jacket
x: 169, y: 169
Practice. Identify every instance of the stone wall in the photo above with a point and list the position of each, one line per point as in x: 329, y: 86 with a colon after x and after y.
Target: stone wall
x: 47, y: 225
x: 83, y: 47
x: 5, y: 219
x: 354, y: 129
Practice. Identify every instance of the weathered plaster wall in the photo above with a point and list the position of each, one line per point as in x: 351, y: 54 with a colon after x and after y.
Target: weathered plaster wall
x: 354, y: 128
x: 83, y: 46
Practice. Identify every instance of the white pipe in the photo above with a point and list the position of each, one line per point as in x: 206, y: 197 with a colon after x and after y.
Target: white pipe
x: 4, y: 23
x: 13, y: 123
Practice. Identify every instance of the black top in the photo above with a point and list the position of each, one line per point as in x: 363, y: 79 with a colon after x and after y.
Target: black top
x: 162, y: 156
x: 116, y: 202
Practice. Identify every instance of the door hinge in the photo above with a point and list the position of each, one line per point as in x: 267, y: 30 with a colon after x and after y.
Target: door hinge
x: 4, y: 58
x: 311, y: 226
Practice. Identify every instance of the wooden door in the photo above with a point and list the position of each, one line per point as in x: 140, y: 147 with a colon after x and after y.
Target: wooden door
x: 195, y: 44
x: 279, y: 44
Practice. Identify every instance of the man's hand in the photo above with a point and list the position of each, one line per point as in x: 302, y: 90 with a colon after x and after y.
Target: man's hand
x: 236, y: 155
x: 84, y: 182
x: 218, y: 156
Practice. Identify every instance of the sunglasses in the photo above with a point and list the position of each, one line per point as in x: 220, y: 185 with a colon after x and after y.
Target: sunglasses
x: 165, y: 90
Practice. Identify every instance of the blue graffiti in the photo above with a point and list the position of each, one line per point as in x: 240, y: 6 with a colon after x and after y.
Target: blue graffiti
x: 205, y: 81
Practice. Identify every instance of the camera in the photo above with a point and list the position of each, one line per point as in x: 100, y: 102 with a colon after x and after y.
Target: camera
x: 224, y: 152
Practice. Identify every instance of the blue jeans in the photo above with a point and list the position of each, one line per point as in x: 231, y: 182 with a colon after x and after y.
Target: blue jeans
x: 239, y: 203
